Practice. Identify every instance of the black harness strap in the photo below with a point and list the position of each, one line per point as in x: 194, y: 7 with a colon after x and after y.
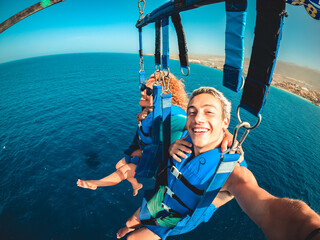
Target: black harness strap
x: 157, y: 54
x: 264, y: 52
x: 140, y: 48
x: 183, y: 51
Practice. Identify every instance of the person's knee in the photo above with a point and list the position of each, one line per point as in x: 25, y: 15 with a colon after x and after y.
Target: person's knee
x: 132, y: 222
x: 120, y: 163
x: 121, y: 174
x: 128, y: 170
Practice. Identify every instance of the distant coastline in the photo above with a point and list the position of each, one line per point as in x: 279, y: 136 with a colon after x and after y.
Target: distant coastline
x: 308, y: 90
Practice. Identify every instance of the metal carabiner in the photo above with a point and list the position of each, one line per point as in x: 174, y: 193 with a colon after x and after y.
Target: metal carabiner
x: 166, y: 88
x: 157, y: 80
x: 141, y: 9
x: 141, y: 63
x: 236, y: 145
x: 254, y: 126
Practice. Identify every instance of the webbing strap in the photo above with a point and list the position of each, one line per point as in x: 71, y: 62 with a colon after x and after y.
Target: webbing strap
x: 157, y: 52
x: 165, y: 43
x: 175, y: 172
x: 175, y: 197
x: 157, y: 89
x: 140, y: 43
x: 222, y: 172
x: 142, y: 74
x: 236, y: 11
x: 166, y: 122
x: 141, y: 129
x: 170, y: 210
x: 266, y: 43
x: 183, y: 51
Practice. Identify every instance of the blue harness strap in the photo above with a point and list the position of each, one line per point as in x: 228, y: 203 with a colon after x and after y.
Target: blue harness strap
x: 142, y: 73
x: 166, y: 128
x: 268, y: 32
x: 165, y: 43
x: 149, y: 162
x: 157, y: 90
x: 236, y: 11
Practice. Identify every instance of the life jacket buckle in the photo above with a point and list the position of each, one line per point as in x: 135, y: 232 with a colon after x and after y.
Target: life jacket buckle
x: 165, y: 207
x: 169, y: 192
x: 175, y: 172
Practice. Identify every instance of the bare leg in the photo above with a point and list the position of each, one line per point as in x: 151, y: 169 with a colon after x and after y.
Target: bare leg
x: 121, y: 163
x: 124, y: 172
x: 136, y: 186
x: 132, y: 223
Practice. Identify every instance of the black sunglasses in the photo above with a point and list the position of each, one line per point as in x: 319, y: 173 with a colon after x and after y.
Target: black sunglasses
x: 144, y: 87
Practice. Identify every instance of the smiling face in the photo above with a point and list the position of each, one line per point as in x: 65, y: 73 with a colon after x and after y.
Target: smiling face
x: 145, y: 100
x: 205, y: 122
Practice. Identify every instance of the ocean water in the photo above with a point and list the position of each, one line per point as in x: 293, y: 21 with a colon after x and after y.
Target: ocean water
x: 66, y: 117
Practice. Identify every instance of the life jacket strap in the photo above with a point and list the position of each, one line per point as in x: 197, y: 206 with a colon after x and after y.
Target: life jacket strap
x: 175, y: 172
x: 141, y: 129
x: 174, y: 196
x: 170, y: 210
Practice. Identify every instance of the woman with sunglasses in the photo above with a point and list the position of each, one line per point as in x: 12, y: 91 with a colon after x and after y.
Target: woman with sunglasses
x: 126, y: 167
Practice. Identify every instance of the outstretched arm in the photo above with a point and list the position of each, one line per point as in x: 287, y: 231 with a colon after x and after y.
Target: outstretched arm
x: 279, y: 218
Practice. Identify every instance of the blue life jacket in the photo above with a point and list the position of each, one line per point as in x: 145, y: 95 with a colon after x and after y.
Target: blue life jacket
x: 192, y: 185
x: 145, y: 126
x: 152, y: 153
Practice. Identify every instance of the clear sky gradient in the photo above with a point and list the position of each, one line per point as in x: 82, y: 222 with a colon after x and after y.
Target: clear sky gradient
x: 75, y: 26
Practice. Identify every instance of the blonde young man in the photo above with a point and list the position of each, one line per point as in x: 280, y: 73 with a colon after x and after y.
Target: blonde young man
x: 208, y: 117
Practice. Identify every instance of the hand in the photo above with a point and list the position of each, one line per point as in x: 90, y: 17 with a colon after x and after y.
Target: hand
x: 227, y: 141
x: 86, y: 184
x: 141, y: 116
x: 179, y: 149
x: 241, y: 155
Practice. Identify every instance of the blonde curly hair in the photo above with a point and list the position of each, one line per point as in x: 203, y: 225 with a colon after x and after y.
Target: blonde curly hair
x: 177, y: 88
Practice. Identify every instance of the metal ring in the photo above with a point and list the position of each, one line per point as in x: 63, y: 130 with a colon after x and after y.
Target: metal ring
x: 249, y: 128
x: 157, y: 67
x: 242, y: 84
x: 187, y: 72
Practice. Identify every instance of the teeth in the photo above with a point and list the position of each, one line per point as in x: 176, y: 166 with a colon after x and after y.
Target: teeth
x: 198, y: 130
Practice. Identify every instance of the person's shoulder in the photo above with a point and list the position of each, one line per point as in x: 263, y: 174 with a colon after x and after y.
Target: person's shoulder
x: 176, y: 110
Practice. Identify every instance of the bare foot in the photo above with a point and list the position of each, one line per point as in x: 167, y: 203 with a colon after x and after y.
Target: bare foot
x: 86, y: 184
x: 136, y: 190
x: 123, y: 231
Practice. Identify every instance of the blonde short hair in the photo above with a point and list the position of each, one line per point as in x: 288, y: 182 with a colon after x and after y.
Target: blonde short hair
x: 226, y: 104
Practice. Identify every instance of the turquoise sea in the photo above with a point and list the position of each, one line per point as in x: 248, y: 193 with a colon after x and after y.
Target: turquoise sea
x: 66, y: 117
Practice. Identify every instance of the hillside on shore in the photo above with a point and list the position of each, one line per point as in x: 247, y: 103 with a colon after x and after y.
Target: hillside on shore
x: 301, y: 81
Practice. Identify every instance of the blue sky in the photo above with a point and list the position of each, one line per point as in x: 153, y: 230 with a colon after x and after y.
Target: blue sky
x: 109, y: 26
